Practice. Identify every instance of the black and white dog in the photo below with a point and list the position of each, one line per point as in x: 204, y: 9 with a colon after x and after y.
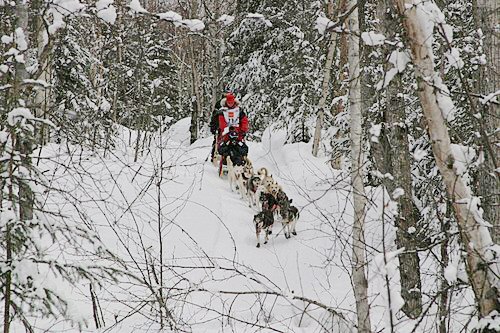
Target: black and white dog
x: 289, y: 217
x: 289, y: 214
x: 263, y: 221
x: 254, y: 189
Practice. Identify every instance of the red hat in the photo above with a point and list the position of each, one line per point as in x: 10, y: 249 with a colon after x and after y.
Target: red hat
x: 230, y: 98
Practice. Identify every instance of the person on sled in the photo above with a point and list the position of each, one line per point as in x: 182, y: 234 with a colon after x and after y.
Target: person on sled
x: 228, y: 114
x: 234, y: 147
x: 234, y: 121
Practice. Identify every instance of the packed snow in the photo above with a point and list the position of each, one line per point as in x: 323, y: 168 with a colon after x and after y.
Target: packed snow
x: 170, y: 209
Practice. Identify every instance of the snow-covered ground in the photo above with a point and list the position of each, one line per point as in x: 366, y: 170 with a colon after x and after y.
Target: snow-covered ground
x: 169, y: 217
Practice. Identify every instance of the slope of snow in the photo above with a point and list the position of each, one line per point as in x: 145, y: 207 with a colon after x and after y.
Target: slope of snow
x: 207, y: 235
x: 169, y: 217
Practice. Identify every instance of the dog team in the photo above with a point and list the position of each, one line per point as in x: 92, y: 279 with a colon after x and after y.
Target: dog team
x: 264, y: 193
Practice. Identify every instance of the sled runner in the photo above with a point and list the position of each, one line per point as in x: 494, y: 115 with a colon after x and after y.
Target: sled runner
x: 222, y: 167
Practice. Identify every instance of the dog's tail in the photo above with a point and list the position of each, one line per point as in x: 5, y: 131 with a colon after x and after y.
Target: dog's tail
x: 263, y: 172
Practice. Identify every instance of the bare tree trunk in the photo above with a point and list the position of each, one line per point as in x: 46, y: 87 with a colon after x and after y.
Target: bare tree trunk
x: 217, y: 60
x: 196, y: 95
x: 8, y: 255
x: 324, y: 94
x: 340, y: 90
x: 392, y: 155
x: 357, y: 158
x: 487, y: 18
x: 8, y: 258
x: 443, y: 297
x: 475, y: 237
x: 42, y: 96
x: 21, y: 13
x: 324, y: 89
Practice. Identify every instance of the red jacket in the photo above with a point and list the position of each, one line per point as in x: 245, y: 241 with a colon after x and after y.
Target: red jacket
x: 242, y: 127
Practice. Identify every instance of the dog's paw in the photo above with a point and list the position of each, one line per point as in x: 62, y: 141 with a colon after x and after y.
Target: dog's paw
x: 265, y: 242
x: 270, y: 232
x: 294, y: 233
x: 258, y: 245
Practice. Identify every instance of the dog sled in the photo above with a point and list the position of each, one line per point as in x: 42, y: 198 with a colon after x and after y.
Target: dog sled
x: 223, y: 166
x: 236, y: 149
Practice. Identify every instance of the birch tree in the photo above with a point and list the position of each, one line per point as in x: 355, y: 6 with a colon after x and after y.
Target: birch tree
x: 419, y: 20
x: 324, y: 88
x: 357, y: 158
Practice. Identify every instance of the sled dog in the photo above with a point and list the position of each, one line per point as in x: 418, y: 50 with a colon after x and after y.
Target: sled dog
x: 263, y: 221
x: 233, y: 173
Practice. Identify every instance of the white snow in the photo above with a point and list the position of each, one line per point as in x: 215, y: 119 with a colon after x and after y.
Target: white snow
x: 429, y: 15
x: 19, y: 114
x: 208, y: 229
x: 464, y: 157
x: 399, y: 60
x: 226, y: 19
x: 490, y: 98
x: 372, y: 38
x: 57, y: 21
x: 171, y: 17
x: 193, y: 24
x: 387, y: 267
x: 105, y: 105
x: 108, y: 14
x: 375, y: 132
x: 20, y: 39
x: 474, y: 206
x: 205, y: 224
x: 39, y: 82
x: 7, y: 39
x: 4, y: 136
x: 448, y: 32
x: 60, y: 9
x: 397, y: 193
x: 259, y: 17
x: 106, y: 11
x: 453, y: 58
x: 322, y: 24
x: 102, y: 4
x: 7, y: 215
x: 444, y: 100
x: 380, y: 175
x: 491, y: 321
x: 419, y: 154
x: 450, y: 273
x: 136, y: 7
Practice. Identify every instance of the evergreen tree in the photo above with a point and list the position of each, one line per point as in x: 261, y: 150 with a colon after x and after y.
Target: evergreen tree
x: 276, y: 65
